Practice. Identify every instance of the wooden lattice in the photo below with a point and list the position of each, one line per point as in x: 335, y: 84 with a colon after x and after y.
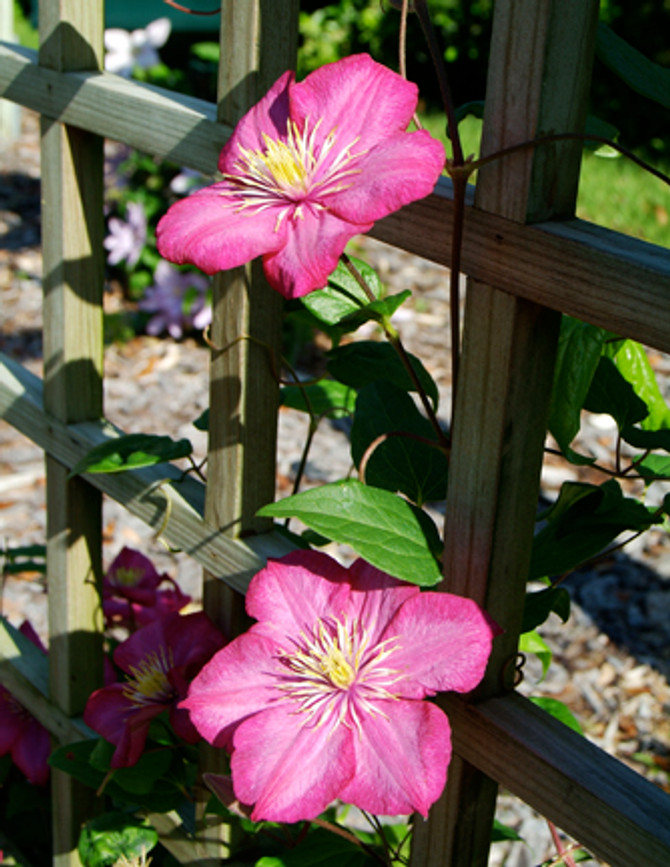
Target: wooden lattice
x: 522, y: 277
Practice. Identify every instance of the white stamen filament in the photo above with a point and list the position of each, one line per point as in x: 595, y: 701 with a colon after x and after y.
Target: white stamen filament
x: 291, y: 171
x: 334, y: 676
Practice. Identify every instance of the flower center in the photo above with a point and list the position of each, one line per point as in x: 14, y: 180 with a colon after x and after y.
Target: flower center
x: 127, y: 576
x: 288, y: 171
x: 149, y: 683
x: 334, y: 674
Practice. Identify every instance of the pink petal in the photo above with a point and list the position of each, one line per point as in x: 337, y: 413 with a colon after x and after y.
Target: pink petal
x: 269, y: 116
x: 359, y: 97
x: 292, y: 593
x: 289, y: 771
x: 402, y: 755
x: 445, y: 643
x: 239, y: 681
x: 313, y: 245
x: 191, y: 638
x: 399, y: 170
x: 12, y: 720
x: 211, y: 231
x: 121, y: 722
x: 375, y: 597
x: 31, y: 751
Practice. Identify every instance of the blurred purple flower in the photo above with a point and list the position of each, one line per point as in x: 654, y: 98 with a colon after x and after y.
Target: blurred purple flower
x: 127, y: 238
x: 126, y: 50
x: 166, y: 300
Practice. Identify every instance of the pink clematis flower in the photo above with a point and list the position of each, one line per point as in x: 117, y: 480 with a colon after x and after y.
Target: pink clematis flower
x: 21, y: 735
x: 160, y: 660
x: 322, y: 698
x: 311, y: 165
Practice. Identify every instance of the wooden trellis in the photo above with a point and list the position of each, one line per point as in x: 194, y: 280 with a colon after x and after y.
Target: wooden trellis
x: 527, y: 259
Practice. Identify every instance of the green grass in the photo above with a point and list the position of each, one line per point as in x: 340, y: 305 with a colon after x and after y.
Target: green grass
x: 613, y: 191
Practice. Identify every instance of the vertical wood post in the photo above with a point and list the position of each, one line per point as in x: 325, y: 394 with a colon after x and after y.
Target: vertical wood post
x: 539, y: 73
x: 72, y: 168
x: 258, y: 43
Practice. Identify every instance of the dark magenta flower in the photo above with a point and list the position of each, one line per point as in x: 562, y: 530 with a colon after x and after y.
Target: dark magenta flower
x: 130, y: 591
x: 21, y: 735
x: 159, y: 661
x: 323, y: 697
x: 311, y: 165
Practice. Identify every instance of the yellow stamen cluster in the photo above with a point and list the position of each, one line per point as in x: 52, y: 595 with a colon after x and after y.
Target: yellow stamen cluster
x: 127, y: 576
x: 148, y: 683
x: 334, y: 675
x: 290, y: 170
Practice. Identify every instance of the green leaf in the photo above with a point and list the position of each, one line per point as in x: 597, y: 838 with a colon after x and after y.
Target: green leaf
x: 399, y: 463
x: 74, y: 759
x: 502, y: 832
x: 327, y: 397
x: 579, y: 350
x: 321, y: 849
x: 210, y: 52
x: 130, y: 452
x: 138, y: 779
x: 202, y: 421
x: 602, y: 129
x: 532, y: 642
x: 647, y: 439
x: 559, y: 711
x: 475, y: 107
x: 654, y: 466
x: 612, y: 394
x: 633, y: 364
x: 343, y: 297
x: 107, y: 838
x: 583, y: 521
x: 540, y: 603
x: 382, y: 527
x: 377, y: 311
x: 365, y: 361
x: 641, y: 74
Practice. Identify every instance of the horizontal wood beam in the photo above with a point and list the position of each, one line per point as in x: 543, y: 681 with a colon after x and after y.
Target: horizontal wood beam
x: 607, y: 807
x: 158, y: 495
x: 581, y: 269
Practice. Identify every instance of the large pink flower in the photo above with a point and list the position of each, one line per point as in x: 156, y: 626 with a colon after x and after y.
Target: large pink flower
x: 321, y: 699
x: 311, y: 165
x: 159, y: 660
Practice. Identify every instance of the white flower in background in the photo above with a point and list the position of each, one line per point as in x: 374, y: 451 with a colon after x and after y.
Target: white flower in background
x: 178, y: 301
x: 126, y: 238
x: 126, y: 50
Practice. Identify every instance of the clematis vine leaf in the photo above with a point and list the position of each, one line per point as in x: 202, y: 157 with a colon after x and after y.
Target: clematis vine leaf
x: 633, y: 364
x: 579, y: 350
x: 357, y: 364
x: 383, y: 528
x: 641, y: 74
x: 130, y: 452
x: 115, y: 837
x: 558, y: 710
x: 400, y: 463
x: 327, y: 397
x: 584, y: 520
x: 611, y: 393
x: 532, y: 642
x: 540, y: 603
x: 343, y: 296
